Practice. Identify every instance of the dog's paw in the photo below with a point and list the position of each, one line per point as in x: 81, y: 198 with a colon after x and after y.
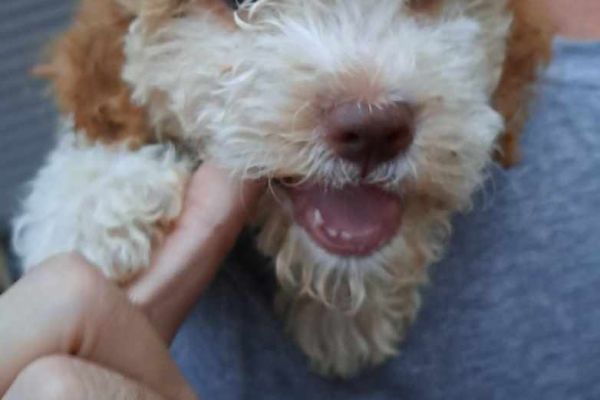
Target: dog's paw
x: 342, y: 344
x: 109, y: 205
x: 121, y: 230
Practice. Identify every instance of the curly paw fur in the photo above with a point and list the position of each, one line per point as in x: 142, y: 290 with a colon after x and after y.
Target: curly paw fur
x: 110, y: 205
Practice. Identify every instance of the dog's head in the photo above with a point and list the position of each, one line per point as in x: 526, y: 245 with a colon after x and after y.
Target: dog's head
x: 373, y: 120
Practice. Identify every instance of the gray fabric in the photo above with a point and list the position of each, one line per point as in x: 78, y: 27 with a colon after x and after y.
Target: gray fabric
x: 511, y: 313
x: 27, y: 118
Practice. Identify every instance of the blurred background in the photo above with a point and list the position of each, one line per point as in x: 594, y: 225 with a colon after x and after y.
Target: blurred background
x: 27, y: 114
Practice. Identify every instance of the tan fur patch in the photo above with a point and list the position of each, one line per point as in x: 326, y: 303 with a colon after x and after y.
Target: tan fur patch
x: 85, y: 66
x: 529, y: 48
x: 85, y: 69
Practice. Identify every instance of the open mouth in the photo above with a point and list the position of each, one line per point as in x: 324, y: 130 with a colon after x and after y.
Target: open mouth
x: 351, y: 221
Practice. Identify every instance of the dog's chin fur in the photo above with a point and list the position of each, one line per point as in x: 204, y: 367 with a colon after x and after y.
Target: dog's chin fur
x: 249, y: 91
x: 348, y: 312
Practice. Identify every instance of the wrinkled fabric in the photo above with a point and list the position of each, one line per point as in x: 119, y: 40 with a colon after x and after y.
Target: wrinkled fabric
x: 512, y: 312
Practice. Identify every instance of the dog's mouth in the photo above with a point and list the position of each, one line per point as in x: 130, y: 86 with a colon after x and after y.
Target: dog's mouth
x: 351, y: 221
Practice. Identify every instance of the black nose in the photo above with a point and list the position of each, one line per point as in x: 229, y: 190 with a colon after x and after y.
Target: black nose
x: 369, y: 135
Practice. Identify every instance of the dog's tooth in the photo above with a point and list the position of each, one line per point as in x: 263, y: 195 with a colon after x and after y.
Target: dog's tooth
x: 333, y: 233
x: 317, y: 218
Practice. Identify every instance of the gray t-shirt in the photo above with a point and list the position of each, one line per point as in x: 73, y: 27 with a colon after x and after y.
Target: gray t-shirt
x: 513, y: 311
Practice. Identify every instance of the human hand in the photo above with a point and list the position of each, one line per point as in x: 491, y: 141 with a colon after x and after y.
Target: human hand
x: 216, y: 209
x: 68, y: 333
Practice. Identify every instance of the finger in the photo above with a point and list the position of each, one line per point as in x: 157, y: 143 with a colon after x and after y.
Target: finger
x: 66, y: 307
x: 216, y: 209
x: 69, y: 378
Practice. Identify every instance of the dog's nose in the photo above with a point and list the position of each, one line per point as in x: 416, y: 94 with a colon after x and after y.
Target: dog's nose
x: 369, y: 135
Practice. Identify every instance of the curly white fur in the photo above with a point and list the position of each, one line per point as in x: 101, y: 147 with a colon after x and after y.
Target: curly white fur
x: 105, y: 203
x: 252, y: 99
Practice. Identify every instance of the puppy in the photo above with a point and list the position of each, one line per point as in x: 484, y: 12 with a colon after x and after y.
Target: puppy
x: 373, y: 121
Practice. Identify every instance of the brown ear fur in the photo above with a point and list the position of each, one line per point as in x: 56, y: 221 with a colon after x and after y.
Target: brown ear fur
x: 86, y: 61
x: 85, y: 69
x: 529, y: 48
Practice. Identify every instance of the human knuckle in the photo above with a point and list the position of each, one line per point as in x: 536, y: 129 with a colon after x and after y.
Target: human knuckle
x: 68, y: 283
x: 50, y: 378
x: 63, y: 263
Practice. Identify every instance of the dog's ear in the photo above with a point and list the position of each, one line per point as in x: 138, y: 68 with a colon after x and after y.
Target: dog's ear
x: 84, y: 66
x: 529, y: 49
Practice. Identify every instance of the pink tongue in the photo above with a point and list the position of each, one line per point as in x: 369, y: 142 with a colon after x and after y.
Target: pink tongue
x: 352, y: 221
